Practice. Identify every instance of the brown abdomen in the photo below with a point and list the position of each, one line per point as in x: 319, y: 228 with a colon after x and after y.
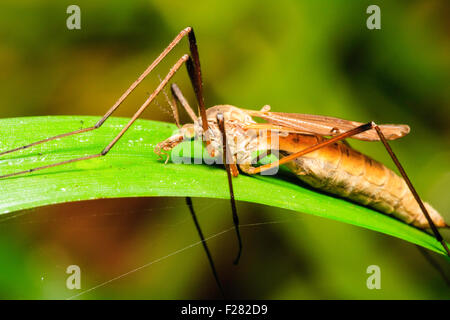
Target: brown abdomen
x: 341, y: 170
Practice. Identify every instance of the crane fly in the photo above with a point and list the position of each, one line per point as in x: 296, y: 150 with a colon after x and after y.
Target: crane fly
x: 313, y: 147
x: 330, y: 165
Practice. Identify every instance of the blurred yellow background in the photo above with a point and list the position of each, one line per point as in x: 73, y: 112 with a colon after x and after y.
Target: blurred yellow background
x: 297, y: 56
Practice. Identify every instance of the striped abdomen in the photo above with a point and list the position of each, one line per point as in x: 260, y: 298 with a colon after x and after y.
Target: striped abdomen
x: 343, y: 171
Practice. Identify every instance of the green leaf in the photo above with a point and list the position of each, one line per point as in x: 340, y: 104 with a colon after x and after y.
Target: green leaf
x: 132, y: 169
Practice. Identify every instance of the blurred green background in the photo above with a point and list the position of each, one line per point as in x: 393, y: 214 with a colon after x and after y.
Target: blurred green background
x: 297, y: 56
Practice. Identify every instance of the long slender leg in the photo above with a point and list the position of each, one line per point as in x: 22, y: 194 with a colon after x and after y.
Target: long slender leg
x: 176, y: 92
x: 196, y: 79
x: 228, y: 162
x: 411, y: 188
x: 195, y: 73
x: 48, y: 139
x: 205, y: 246
x: 178, y: 97
x: 172, y: 71
x: 368, y: 126
x: 149, y: 69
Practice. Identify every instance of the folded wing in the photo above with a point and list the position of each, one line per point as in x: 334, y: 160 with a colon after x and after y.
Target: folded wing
x: 327, y: 126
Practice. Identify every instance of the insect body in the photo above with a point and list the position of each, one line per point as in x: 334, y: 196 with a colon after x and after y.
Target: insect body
x: 343, y: 171
x: 336, y: 168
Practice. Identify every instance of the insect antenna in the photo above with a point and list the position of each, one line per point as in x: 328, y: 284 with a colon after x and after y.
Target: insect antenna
x: 205, y: 245
x: 172, y: 104
x: 228, y: 162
